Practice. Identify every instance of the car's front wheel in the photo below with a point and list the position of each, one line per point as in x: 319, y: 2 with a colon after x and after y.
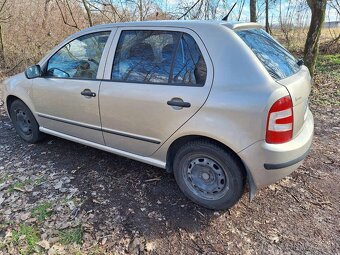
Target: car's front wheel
x: 24, y: 122
x: 209, y: 175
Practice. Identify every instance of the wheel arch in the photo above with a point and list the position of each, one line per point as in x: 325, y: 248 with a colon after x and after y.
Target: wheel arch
x: 9, y: 100
x: 188, y: 138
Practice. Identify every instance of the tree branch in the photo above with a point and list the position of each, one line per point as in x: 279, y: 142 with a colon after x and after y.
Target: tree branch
x: 88, y: 12
x: 189, y: 9
x: 64, y: 17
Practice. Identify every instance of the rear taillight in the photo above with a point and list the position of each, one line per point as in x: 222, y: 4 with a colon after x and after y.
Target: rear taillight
x: 280, y: 121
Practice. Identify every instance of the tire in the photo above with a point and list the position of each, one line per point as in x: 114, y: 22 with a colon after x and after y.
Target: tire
x: 24, y: 122
x: 209, y: 175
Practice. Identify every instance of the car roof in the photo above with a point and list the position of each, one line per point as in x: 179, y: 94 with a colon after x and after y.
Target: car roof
x: 193, y: 24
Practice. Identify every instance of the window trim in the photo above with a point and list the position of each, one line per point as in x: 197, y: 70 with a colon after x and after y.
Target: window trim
x: 157, y: 83
x: 174, y: 58
x: 161, y: 29
x: 73, y: 38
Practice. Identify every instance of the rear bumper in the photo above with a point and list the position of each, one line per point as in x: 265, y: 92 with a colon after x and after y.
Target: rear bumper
x: 285, y: 164
x: 268, y: 163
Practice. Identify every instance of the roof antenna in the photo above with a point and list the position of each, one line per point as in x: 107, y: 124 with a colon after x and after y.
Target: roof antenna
x: 189, y: 9
x: 226, y: 16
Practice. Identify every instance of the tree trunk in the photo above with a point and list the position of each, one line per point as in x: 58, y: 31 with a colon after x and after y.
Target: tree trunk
x: 88, y: 12
x: 252, y: 10
x: 318, y: 8
x: 267, y: 16
x: 2, y: 53
x: 140, y: 7
x: 44, y: 21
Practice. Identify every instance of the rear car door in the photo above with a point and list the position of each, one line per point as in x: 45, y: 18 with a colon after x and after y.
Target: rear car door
x: 155, y: 80
x: 66, y: 96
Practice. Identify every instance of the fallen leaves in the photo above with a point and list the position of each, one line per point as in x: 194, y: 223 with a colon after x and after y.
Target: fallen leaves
x: 25, y: 216
x: 57, y: 249
x: 273, y: 237
x: 2, y: 199
x: 111, y: 204
x: 44, y: 244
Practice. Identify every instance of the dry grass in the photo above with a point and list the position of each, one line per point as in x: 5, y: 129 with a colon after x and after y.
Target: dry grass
x: 295, y: 39
x: 27, y: 39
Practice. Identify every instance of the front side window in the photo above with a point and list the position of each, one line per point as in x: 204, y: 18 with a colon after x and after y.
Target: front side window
x: 276, y: 59
x: 162, y: 57
x: 78, y: 59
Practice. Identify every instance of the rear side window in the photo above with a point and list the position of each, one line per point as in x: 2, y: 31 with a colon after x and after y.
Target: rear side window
x: 159, y: 57
x: 276, y: 59
x: 189, y: 66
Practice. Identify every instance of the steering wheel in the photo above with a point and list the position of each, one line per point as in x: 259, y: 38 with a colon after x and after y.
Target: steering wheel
x: 93, y: 61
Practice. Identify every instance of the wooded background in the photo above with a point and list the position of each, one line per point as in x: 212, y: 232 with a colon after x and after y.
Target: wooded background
x: 28, y: 29
x: 58, y: 197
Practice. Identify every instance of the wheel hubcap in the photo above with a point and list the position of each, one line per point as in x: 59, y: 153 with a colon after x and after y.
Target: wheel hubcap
x: 206, y: 178
x: 24, y: 123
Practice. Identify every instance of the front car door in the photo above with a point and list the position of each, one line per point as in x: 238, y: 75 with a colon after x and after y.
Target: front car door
x: 66, y: 96
x: 155, y: 80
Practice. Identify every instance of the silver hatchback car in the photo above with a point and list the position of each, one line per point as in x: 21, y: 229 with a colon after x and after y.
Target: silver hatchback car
x: 218, y: 104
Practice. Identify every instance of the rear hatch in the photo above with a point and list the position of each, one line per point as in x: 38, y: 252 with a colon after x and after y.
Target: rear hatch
x: 284, y: 69
x: 299, y: 87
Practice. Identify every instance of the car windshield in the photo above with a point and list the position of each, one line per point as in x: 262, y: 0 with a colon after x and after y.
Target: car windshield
x: 275, y: 58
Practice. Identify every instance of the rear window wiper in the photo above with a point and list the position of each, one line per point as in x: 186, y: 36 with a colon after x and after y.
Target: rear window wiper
x: 300, y: 62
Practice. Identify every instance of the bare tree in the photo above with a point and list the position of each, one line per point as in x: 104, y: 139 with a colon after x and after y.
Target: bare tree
x: 267, y: 15
x: 110, y: 9
x: 88, y: 12
x: 335, y: 4
x: 63, y: 14
x: 46, y: 9
x: 287, y: 19
x: 240, y: 9
x: 2, y: 53
x: 189, y: 9
x: 4, y: 17
x: 253, y: 10
x: 318, y: 8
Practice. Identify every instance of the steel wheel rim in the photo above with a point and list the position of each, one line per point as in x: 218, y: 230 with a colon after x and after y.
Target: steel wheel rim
x: 23, y: 122
x: 206, y: 178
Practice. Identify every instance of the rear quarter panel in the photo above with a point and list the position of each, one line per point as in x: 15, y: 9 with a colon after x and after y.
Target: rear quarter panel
x: 236, y: 110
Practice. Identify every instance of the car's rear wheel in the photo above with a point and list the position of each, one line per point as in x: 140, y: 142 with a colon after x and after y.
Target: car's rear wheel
x: 209, y: 175
x: 24, y: 122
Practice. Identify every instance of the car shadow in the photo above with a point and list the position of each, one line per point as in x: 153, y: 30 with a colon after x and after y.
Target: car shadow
x: 122, y: 192
x: 117, y: 191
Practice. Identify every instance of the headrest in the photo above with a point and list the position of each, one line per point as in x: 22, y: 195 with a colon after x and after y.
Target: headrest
x: 142, y: 51
x: 83, y: 65
x: 168, y: 50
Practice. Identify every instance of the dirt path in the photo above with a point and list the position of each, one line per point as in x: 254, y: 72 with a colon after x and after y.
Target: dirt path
x: 66, y: 193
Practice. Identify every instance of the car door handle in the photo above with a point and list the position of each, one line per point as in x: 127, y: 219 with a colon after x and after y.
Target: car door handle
x: 179, y: 103
x: 88, y: 93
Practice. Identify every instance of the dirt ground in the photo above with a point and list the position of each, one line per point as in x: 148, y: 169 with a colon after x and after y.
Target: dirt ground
x: 59, y: 197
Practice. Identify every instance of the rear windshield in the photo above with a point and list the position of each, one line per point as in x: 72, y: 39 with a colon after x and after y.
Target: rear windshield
x: 276, y: 59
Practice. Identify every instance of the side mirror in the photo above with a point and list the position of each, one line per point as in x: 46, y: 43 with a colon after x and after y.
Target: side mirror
x: 33, y: 72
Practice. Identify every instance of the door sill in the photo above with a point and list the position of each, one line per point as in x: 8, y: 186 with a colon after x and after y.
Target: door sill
x: 147, y: 160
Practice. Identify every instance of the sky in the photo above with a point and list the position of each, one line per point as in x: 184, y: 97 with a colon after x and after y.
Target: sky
x: 301, y: 15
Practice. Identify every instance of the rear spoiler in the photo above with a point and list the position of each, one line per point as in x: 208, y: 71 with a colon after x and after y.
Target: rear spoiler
x: 239, y: 25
